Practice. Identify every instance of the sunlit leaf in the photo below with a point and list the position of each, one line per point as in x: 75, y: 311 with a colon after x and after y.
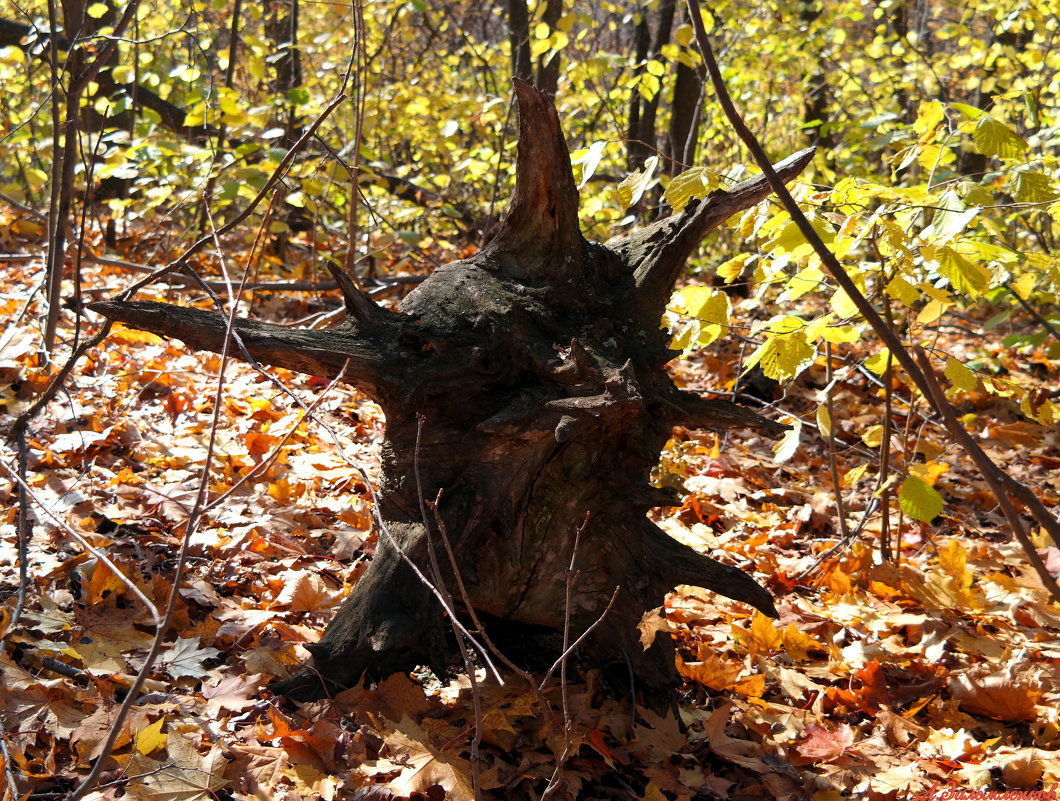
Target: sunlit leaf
x: 960, y: 376
x: 994, y: 138
x: 919, y: 501
x: 788, y: 444
x: 633, y: 187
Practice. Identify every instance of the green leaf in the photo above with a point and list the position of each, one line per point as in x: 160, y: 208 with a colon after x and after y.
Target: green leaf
x: 994, y: 138
x: 960, y: 376
x: 970, y: 112
x: 919, y: 500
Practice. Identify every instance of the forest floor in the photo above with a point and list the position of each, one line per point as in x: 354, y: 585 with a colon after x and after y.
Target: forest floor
x: 936, y: 669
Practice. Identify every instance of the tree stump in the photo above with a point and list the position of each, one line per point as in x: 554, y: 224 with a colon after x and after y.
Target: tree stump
x: 527, y: 384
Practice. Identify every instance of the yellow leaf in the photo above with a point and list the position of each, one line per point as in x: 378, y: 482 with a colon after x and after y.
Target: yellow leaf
x: 878, y: 363
x: 150, y: 738
x: 853, y: 476
x: 764, y: 636
x: 954, y: 560
x: 873, y: 436
x: 843, y: 306
x: 788, y: 444
x: 932, y: 311
x: 651, y: 792
x: 929, y: 472
x: 960, y: 376
x: 902, y: 291
x: 751, y: 686
x: 103, y: 580
x: 994, y: 138
x: 1024, y: 285
x: 840, y: 334
x: 929, y: 116
x: 785, y: 352
x: 733, y: 268
x: 798, y: 644
x: 824, y: 420
x: 713, y: 672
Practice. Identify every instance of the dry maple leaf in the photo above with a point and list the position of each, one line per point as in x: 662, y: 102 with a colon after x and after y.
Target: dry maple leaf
x: 185, y: 658
x: 424, y: 767
x: 184, y: 776
x: 651, y: 623
x: 233, y: 693
x: 999, y: 695
x: 823, y: 745
x: 711, y: 672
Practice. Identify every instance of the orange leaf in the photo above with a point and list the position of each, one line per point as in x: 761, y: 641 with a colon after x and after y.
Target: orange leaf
x: 713, y: 672
x: 997, y: 696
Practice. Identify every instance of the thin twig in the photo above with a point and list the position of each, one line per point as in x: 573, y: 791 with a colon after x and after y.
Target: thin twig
x: 886, y: 553
x: 72, y: 532
x: 843, y: 543
x: 37, y: 215
x: 833, y: 461
x: 1033, y: 312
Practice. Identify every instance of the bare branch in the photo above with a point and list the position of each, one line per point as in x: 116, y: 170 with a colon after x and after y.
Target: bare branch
x: 374, y: 365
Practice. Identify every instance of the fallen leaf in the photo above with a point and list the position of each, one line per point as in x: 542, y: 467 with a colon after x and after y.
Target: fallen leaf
x: 823, y: 745
x: 185, y: 658
x: 997, y: 696
x: 423, y: 766
x: 652, y: 622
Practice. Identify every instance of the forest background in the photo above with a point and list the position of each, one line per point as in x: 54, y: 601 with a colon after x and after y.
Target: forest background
x: 916, y: 646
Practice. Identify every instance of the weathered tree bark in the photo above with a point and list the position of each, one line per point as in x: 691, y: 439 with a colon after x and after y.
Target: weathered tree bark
x: 538, y: 365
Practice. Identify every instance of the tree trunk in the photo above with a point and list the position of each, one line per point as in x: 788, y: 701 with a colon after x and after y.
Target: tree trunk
x: 526, y: 384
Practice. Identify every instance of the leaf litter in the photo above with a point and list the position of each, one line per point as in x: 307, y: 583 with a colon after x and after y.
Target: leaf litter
x: 881, y: 680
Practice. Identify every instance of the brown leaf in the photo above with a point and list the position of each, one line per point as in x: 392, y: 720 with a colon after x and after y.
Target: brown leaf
x: 233, y: 693
x: 424, y: 766
x: 653, y: 622
x: 744, y: 753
